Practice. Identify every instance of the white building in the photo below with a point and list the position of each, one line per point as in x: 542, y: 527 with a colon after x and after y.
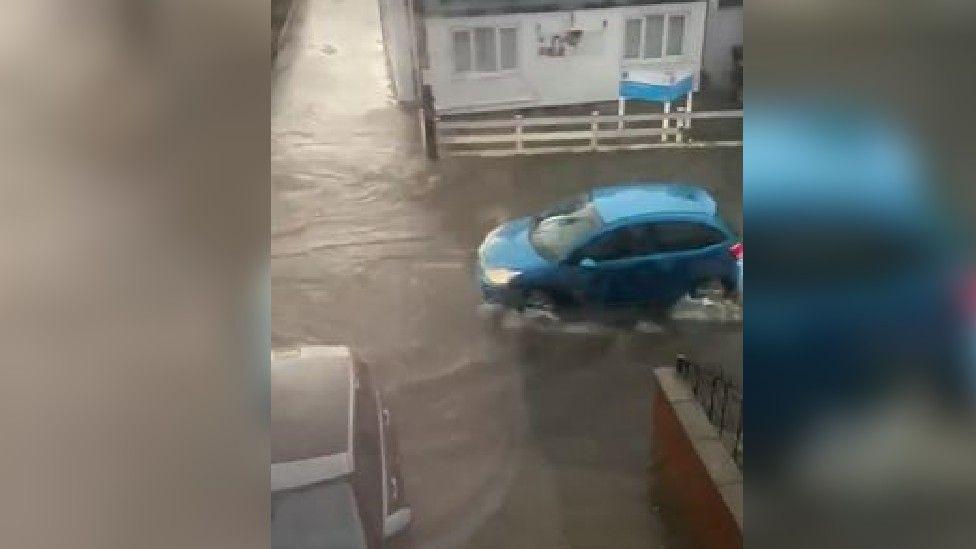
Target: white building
x: 723, y: 30
x: 483, y: 55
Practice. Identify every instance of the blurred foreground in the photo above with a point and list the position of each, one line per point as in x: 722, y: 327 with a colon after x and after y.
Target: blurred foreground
x: 858, y: 339
x: 133, y: 146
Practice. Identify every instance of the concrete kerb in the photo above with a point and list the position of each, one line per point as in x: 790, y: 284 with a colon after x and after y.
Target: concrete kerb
x: 723, y: 474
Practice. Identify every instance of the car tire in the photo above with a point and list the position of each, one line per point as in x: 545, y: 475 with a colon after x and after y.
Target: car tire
x: 539, y: 299
x: 712, y: 288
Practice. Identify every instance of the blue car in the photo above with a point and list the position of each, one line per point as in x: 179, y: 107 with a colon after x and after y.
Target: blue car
x: 642, y: 244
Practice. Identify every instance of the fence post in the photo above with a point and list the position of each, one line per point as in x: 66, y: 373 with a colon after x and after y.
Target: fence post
x: 621, y: 108
x: 725, y: 405
x: 519, y: 146
x: 422, y: 122
x: 679, y: 124
x: 595, y: 126
x: 711, y: 397
x: 666, y: 121
x: 428, y: 121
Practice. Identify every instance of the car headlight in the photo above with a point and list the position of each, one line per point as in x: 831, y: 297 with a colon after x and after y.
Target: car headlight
x: 500, y: 277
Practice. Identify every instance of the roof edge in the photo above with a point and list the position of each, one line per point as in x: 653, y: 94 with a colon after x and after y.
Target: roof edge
x: 436, y: 11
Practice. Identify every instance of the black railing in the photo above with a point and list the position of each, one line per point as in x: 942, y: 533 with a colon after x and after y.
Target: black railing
x: 721, y: 399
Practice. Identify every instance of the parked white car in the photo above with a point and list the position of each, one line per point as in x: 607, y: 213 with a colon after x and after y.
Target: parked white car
x: 335, y: 475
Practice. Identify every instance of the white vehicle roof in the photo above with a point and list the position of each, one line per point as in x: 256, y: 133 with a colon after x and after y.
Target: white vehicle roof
x: 312, y: 392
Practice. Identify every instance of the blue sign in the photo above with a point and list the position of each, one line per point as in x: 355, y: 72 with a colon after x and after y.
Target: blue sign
x: 650, y: 85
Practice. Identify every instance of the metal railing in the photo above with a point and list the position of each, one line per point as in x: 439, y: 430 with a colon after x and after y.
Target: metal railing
x: 721, y: 399
x: 554, y: 134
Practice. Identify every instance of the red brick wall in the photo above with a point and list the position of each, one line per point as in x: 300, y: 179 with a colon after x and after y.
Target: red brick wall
x: 684, y: 485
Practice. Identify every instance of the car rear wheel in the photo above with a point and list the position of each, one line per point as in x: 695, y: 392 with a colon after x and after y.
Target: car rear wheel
x: 540, y: 300
x: 712, y: 288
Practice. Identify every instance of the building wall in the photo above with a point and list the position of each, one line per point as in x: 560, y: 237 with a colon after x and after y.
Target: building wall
x: 723, y: 30
x: 400, y: 45
x: 589, y: 72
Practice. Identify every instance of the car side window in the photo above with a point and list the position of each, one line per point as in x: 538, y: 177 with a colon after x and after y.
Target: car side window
x: 643, y: 240
x: 676, y: 236
x: 617, y: 244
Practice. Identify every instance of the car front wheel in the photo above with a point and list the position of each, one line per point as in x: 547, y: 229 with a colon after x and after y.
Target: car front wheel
x: 539, y: 300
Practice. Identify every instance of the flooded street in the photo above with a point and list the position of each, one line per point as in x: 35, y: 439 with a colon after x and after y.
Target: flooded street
x: 509, y: 437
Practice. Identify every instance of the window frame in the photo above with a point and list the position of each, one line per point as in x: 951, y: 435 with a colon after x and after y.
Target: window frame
x: 667, y: 36
x: 473, y: 71
x: 454, y: 52
x: 642, y: 242
x: 650, y: 229
x: 646, y: 28
x: 665, y: 32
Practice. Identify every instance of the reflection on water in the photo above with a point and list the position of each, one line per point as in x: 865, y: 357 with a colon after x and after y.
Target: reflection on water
x: 687, y: 314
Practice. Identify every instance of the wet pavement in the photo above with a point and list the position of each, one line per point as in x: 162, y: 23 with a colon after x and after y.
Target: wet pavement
x: 511, y: 436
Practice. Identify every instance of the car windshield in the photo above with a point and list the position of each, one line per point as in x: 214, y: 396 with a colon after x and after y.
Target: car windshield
x: 321, y: 515
x: 558, y: 231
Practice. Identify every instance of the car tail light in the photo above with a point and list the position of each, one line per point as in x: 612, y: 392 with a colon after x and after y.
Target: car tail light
x: 736, y: 251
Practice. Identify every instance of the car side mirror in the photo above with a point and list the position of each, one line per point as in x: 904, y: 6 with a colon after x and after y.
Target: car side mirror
x: 587, y: 263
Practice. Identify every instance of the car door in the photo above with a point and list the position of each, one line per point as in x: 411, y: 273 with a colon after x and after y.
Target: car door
x: 608, y: 269
x: 684, y: 254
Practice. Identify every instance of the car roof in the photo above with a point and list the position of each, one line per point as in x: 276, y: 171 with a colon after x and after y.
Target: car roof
x: 620, y: 202
x: 312, y: 392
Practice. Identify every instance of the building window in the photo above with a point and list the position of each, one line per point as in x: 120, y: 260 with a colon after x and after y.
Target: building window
x: 730, y: 3
x: 485, y: 50
x: 462, y: 51
x: 508, y: 48
x: 676, y: 35
x: 654, y: 37
x: 632, y: 39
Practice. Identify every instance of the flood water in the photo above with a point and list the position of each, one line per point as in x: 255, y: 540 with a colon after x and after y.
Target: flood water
x: 509, y: 437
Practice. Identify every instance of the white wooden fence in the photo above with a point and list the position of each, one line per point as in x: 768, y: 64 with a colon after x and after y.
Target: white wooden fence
x: 557, y: 134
